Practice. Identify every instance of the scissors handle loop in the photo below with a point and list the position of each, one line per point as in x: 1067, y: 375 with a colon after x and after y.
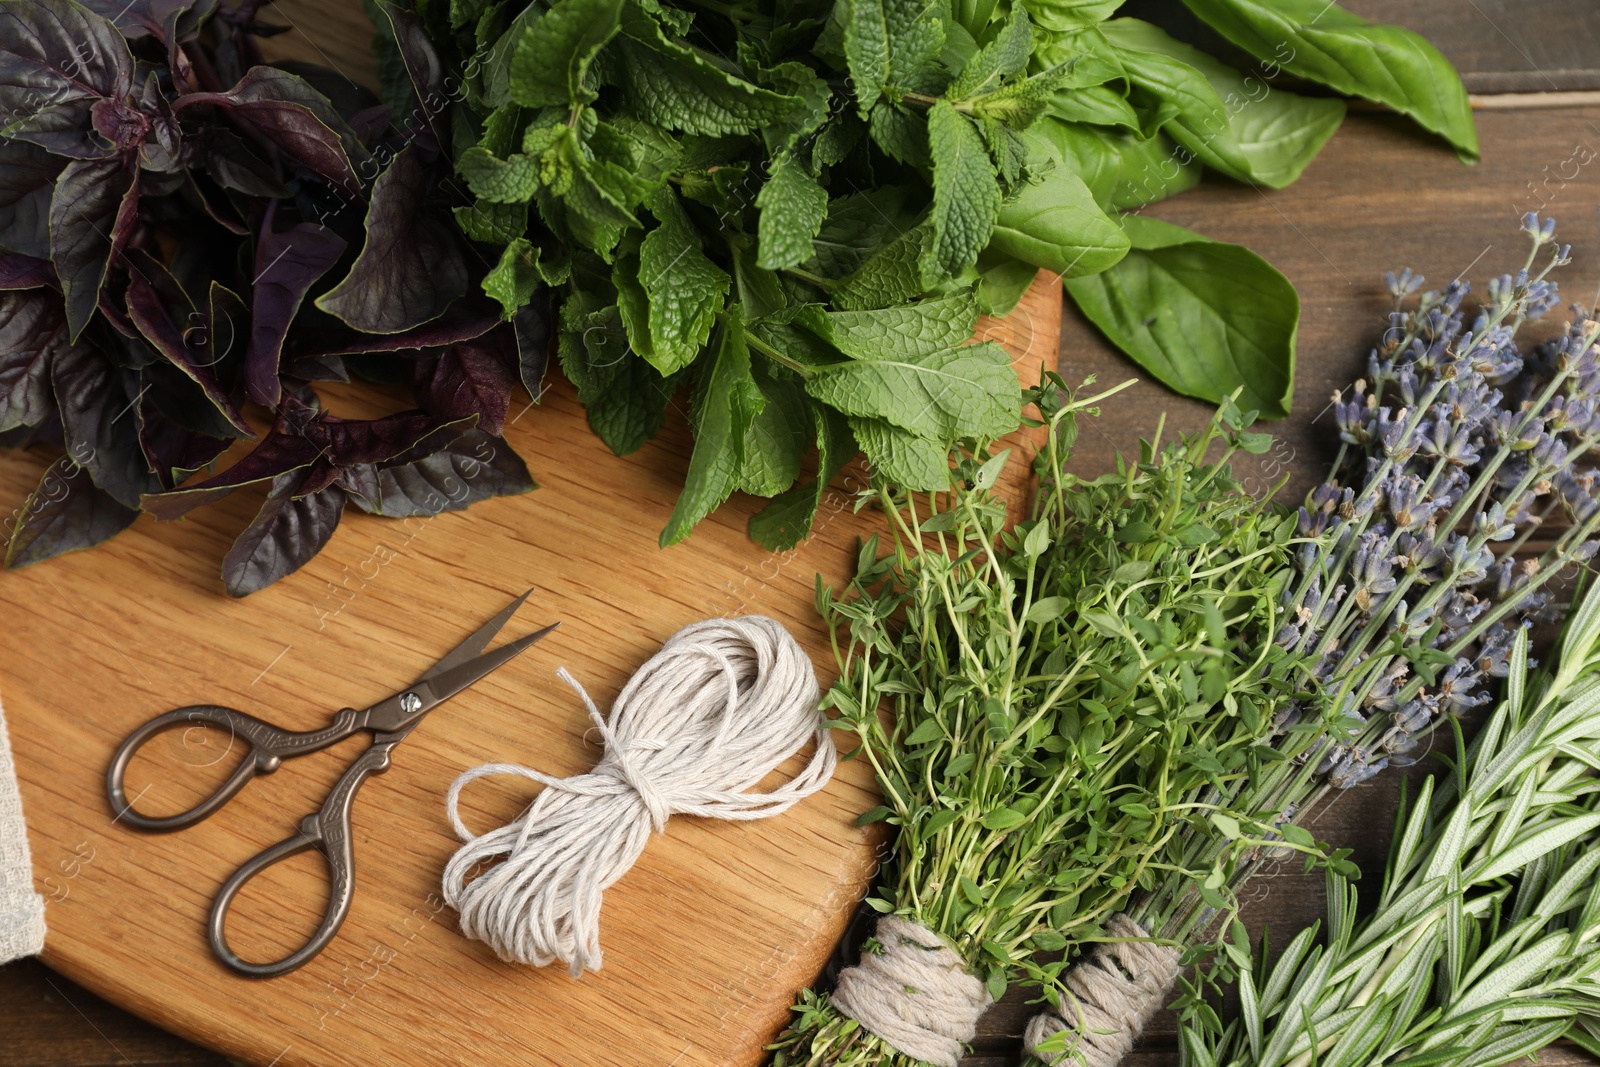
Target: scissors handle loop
x: 269, y: 747
x: 328, y: 832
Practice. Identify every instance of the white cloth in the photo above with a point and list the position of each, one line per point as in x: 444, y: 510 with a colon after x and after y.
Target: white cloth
x: 21, y: 909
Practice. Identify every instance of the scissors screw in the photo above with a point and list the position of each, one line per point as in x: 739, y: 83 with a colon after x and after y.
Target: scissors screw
x: 410, y: 703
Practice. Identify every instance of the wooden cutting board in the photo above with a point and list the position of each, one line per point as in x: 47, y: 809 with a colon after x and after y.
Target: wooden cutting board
x: 706, y: 941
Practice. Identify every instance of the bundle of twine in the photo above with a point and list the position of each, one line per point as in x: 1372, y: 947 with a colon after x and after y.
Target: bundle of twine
x: 1116, y: 991
x: 693, y: 732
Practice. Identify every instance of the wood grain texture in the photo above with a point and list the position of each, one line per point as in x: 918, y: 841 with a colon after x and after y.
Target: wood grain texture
x: 707, y: 939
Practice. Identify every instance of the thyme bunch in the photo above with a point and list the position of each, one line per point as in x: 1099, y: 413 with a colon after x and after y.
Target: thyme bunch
x: 1055, y: 693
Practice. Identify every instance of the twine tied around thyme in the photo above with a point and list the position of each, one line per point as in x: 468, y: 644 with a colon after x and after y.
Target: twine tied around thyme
x: 1118, y: 988
x: 693, y: 732
x: 914, y: 993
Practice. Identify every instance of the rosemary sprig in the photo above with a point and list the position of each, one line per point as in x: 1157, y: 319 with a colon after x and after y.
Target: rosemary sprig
x: 1483, y: 945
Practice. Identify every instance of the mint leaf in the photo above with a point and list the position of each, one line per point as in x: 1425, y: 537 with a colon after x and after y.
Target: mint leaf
x: 630, y: 409
x: 866, y: 50
x: 858, y: 225
x: 1006, y: 55
x: 901, y: 458
x: 892, y: 276
x: 499, y: 181
x: 966, y: 195
x: 909, y: 330
x: 1319, y: 40
x: 778, y: 438
x: 551, y: 62
x: 677, y: 87
x: 959, y: 392
x: 515, y: 277
x: 726, y: 402
x: 493, y: 223
x: 891, y: 45
x: 685, y: 289
x: 787, y: 519
x: 793, y: 207
x: 1056, y: 224
x: 1204, y: 317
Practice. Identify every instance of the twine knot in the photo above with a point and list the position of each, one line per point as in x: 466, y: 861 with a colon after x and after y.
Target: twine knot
x: 1116, y: 991
x: 915, y: 993
x: 693, y: 732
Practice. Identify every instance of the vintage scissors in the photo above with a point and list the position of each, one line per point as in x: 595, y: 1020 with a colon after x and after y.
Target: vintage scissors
x: 328, y: 829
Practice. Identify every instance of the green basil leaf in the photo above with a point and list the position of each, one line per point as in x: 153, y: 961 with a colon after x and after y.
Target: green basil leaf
x: 1122, y: 170
x: 1055, y: 223
x: 1239, y: 126
x: 1204, y: 317
x: 1319, y: 40
x: 1062, y: 16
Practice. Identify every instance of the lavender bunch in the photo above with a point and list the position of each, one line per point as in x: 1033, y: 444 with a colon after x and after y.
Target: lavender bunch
x: 1411, y: 582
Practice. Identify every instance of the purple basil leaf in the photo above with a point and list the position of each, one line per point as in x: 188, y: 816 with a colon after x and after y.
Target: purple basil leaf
x: 31, y: 326
x: 467, y: 318
x: 65, y: 513
x: 532, y: 326
x: 296, y: 118
x: 317, y: 369
x: 101, y: 430
x: 422, y: 67
x: 27, y: 177
x: 190, y: 347
x: 397, y: 438
x: 287, y: 265
x: 170, y: 449
x: 346, y: 97
x: 232, y: 165
x: 182, y: 403
x: 370, y: 122
x: 360, y: 483
x: 471, y: 378
x: 24, y: 272
x: 286, y: 533
x: 160, y: 142
x: 473, y: 467
x: 277, y: 454
x: 91, y: 215
x: 144, y: 18
x: 57, y: 60
x: 411, y: 267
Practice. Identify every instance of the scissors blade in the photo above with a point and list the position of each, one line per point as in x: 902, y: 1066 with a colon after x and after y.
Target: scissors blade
x: 447, y: 683
x: 476, y: 642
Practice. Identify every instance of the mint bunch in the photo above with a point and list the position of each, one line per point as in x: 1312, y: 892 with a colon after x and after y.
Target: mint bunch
x: 796, y: 209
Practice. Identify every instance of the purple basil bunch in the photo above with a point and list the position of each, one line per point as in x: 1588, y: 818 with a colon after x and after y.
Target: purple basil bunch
x: 1456, y: 449
x: 191, y: 237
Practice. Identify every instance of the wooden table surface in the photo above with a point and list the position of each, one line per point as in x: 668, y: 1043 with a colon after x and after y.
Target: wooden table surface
x: 1381, y: 196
